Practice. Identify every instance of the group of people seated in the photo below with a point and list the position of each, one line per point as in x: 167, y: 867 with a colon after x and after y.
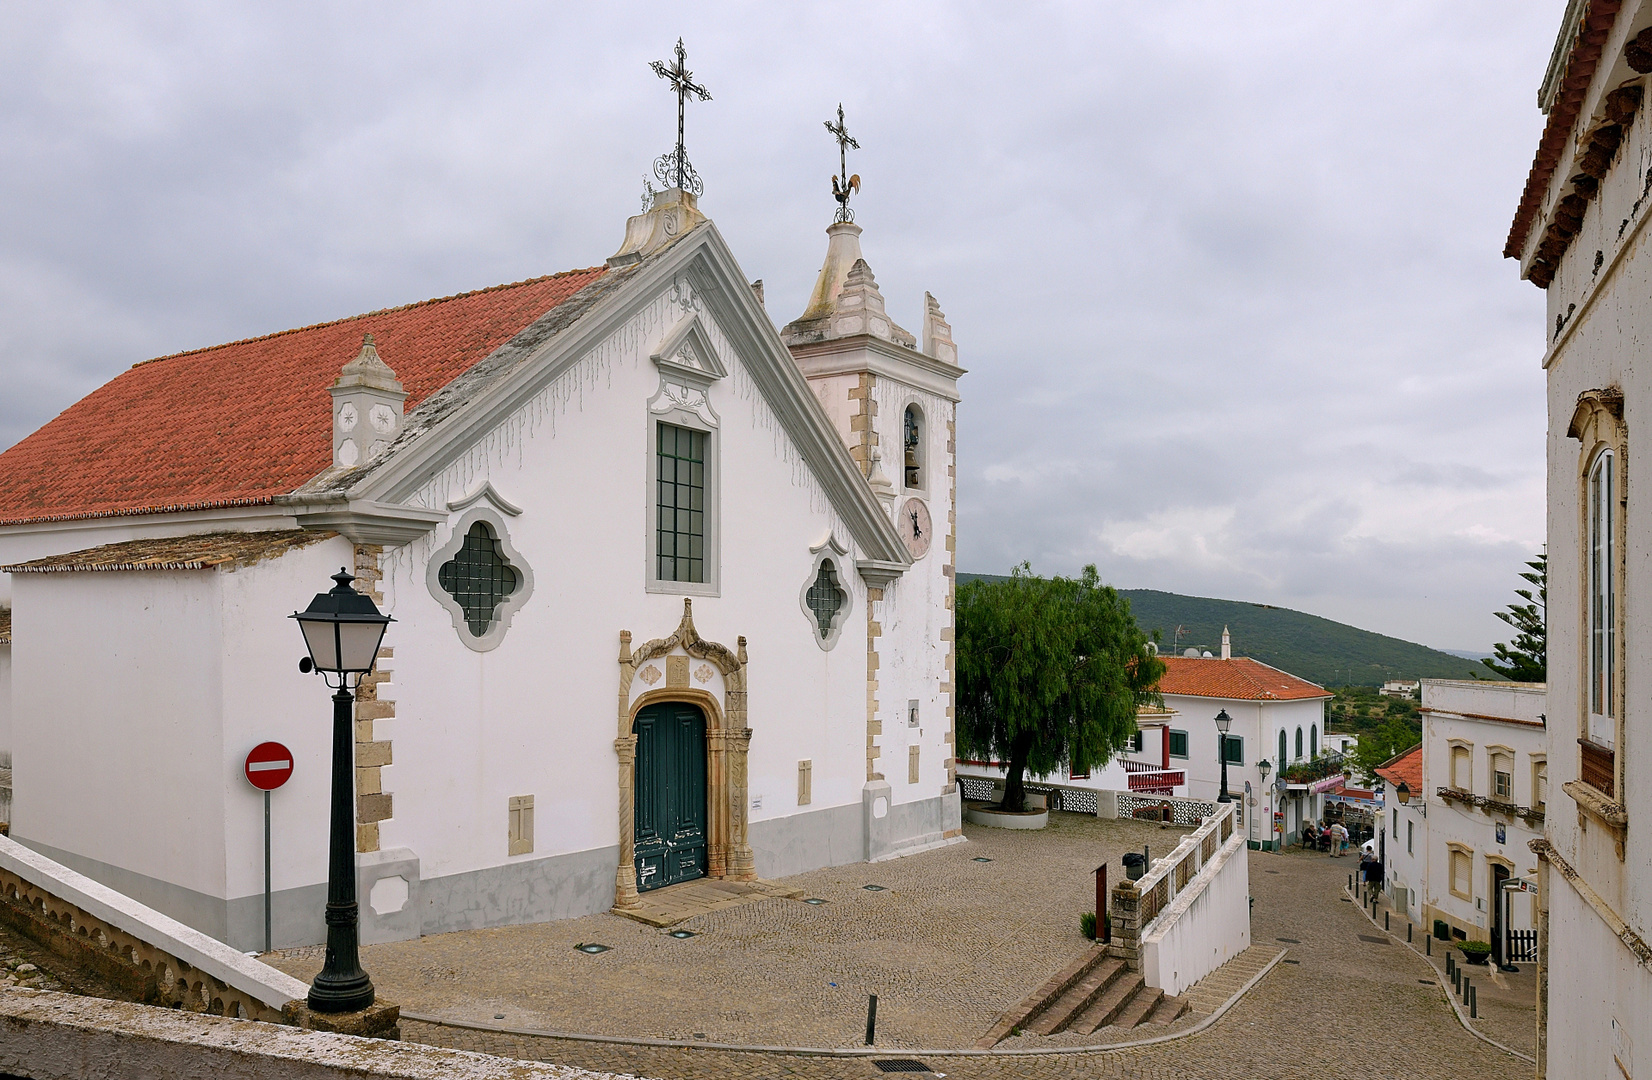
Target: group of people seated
x: 1322, y: 837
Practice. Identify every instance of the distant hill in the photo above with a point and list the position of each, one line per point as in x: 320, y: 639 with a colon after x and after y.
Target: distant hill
x: 1319, y: 650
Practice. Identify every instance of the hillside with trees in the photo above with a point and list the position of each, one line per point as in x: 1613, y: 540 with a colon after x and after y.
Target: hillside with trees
x: 1314, y: 648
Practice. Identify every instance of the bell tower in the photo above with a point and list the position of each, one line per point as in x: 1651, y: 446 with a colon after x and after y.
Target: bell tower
x: 894, y: 404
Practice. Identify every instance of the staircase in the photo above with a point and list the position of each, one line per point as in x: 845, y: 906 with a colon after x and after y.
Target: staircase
x: 1094, y: 991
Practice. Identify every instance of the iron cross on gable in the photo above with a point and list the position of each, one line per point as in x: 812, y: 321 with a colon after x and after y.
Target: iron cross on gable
x: 675, y: 166
x: 840, y: 191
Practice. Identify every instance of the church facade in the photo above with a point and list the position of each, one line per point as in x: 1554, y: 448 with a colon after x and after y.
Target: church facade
x: 672, y: 590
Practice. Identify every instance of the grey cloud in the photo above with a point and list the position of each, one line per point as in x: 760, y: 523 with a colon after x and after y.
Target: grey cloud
x: 1226, y: 277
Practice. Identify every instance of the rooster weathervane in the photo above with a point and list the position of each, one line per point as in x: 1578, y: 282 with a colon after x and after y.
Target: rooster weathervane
x: 842, y: 186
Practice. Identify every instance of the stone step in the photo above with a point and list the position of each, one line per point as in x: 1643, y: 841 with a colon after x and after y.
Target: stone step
x: 1108, y: 1005
x: 1168, y: 1010
x: 1027, y: 1010
x: 1058, y: 1014
x: 1136, y: 1009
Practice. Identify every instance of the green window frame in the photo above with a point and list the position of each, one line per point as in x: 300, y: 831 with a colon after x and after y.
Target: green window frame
x: 1178, y: 743
x: 1235, y: 749
x: 680, y: 504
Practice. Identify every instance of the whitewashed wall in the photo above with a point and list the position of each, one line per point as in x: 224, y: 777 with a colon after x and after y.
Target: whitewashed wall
x: 1186, y: 945
x: 1449, y: 822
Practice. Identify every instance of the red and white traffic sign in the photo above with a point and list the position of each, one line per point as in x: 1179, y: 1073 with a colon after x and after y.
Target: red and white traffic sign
x: 269, y: 765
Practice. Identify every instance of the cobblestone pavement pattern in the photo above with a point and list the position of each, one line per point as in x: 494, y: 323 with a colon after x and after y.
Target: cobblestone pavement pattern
x: 1507, y: 1000
x: 947, y: 945
x: 1347, y: 1009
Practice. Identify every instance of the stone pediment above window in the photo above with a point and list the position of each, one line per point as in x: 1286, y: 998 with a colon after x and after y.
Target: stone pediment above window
x: 685, y: 354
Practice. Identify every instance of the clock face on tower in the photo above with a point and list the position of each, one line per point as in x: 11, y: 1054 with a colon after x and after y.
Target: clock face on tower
x: 913, y: 523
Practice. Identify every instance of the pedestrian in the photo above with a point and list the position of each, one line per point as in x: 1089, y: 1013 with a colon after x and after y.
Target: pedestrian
x: 1339, y: 840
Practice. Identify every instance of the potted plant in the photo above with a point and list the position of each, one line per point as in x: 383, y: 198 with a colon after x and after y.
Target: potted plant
x: 1475, y: 952
x: 1087, y: 923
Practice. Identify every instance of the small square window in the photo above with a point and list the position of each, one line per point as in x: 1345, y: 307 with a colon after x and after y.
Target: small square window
x: 1235, y: 748
x: 1136, y: 742
x: 1504, y: 784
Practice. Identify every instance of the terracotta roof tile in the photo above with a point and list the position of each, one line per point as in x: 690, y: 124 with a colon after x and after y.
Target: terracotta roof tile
x: 1239, y: 679
x: 241, y: 423
x: 1407, y: 765
x: 198, y: 552
x: 1584, y: 57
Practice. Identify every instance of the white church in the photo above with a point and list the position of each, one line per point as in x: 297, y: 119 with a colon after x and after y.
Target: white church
x: 672, y: 591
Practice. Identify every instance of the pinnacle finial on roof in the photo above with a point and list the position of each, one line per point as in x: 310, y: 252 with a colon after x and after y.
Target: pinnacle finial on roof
x: 368, y: 369
x: 843, y: 183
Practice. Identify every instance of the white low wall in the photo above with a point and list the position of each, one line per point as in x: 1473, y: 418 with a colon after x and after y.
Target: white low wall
x: 1206, y: 924
x: 48, y: 1036
x: 88, y: 902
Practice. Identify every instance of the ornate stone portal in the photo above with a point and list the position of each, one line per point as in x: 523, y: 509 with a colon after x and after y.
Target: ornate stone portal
x: 728, y: 851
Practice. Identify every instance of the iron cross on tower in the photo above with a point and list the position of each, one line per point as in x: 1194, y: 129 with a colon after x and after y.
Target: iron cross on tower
x: 673, y: 168
x: 840, y: 191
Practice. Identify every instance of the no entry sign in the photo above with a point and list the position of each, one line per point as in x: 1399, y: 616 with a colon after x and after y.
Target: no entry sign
x: 269, y: 766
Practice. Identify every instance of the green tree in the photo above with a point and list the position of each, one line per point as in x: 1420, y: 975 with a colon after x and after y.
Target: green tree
x: 1050, y: 673
x: 1381, y: 743
x: 1527, y: 660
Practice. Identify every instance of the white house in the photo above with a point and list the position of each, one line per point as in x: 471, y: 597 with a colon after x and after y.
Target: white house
x: 1471, y: 811
x: 1274, y: 718
x: 1580, y: 233
x: 1404, y: 821
x: 618, y: 484
x: 1277, y: 719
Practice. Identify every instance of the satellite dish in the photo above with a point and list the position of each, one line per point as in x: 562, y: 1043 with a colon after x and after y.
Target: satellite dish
x: 1208, y: 655
x: 1152, y: 648
x: 1191, y: 654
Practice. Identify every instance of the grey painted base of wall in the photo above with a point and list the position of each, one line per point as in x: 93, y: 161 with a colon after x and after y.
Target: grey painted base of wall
x: 797, y: 843
x: 523, y: 890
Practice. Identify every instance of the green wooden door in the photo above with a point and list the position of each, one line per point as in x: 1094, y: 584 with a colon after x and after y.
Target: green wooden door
x: 671, y: 795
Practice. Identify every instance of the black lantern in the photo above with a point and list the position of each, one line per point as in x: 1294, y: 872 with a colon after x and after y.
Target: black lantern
x: 1223, y: 722
x: 1404, y: 792
x: 342, y: 629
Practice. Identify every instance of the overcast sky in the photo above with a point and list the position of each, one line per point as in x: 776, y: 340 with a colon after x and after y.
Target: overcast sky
x: 1226, y: 276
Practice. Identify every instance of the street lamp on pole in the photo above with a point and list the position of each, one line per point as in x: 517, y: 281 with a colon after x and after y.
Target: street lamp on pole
x: 1223, y: 722
x: 342, y: 630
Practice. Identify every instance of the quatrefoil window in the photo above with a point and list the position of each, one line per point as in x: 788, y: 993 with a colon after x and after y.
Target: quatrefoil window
x: 479, y: 578
x: 826, y: 598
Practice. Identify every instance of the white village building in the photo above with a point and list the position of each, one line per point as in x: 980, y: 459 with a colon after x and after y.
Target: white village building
x: 1275, y: 718
x: 1475, y: 789
x: 536, y: 481
x: 1580, y: 233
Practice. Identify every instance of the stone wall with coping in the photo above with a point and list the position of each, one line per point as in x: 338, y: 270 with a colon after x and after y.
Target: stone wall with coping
x: 161, y: 959
x: 50, y: 1036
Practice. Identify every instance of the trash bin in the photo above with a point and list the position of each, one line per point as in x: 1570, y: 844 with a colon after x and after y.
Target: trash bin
x: 1441, y: 930
x: 1135, y: 865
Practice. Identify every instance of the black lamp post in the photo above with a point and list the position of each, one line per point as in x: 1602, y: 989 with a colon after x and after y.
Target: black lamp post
x: 1223, y: 722
x: 342, y: 629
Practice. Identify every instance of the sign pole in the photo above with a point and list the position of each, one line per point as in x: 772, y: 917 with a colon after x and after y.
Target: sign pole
x: 267, y: 872
x: 269, y: 765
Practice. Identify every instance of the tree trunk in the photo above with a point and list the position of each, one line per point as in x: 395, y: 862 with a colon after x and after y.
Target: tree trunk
x: 1015, y: 792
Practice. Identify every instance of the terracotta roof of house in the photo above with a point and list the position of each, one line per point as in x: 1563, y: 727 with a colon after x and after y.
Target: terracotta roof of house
x: 175, y: 553
x: 1406, y: 766
x: 242, y: 423
x: 1581, y: 61
x: 1239, y: 679
x: 5, y: 626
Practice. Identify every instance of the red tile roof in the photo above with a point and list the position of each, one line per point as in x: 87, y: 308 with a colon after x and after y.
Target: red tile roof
x: 1407, y: 765
x: 1581, y: 62
x: 239, y: 424
x: 1239, y: 679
